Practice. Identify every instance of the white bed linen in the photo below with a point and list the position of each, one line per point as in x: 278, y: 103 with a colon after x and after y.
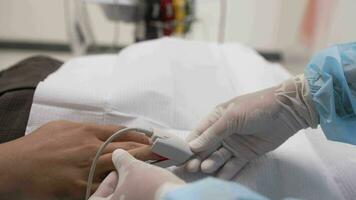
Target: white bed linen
x: 171, y: 83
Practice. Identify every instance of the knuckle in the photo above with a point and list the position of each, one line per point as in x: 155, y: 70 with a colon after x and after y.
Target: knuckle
x: 62, y: 122
x: 85, y: 163
x: 112, y: 127
x: 94, y: 146
x: 143, y: 139
x: 54, y: 126
x: 131, y: 145
x: 86, y: 128
x: 56, y: 122
x: 78, y: 191
x: 90, y: 147
x: 89, y: 129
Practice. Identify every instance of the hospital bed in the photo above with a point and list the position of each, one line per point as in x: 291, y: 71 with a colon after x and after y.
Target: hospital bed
x: 171, y: 84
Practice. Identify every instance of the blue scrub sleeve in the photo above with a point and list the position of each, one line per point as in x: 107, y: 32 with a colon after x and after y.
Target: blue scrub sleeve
x: 331, y: 77
x: 212, y: 188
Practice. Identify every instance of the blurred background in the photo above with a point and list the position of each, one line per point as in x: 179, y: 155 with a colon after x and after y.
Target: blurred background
x: 282, y: 31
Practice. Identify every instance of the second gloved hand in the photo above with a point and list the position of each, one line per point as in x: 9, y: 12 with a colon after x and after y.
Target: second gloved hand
x: 249, y: 126
x: 135, y: 180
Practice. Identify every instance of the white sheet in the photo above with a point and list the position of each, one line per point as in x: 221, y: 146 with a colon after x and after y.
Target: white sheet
x: 171, y: 83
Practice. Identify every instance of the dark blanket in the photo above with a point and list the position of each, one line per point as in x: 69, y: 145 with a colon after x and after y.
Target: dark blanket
x: 17, y: 87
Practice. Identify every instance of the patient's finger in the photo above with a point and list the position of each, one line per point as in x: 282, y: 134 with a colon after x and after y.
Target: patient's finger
x: 134, y: 136
x: 144, y: 153
x: 231, y: 168
x: 215, y: 160
x: 104, y: 165
x: 139, y: 151
x: 122, y: 145
x: 105, y: 131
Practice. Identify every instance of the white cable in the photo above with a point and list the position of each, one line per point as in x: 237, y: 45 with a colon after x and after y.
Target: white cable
x: 222, y: 21
x: 100, y: 150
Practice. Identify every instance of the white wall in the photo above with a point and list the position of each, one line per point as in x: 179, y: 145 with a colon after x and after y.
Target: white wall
x: 267, y: 24
x: 44, y: 20
x: 32, y: 20
x: 343, y: 25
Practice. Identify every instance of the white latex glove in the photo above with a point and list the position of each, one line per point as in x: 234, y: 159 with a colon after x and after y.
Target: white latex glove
x: 137, y: 180
x: 249, y: 126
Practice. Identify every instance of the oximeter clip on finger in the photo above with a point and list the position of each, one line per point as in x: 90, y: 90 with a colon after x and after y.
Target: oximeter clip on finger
x: 171, y: 147
x: 164, y: 144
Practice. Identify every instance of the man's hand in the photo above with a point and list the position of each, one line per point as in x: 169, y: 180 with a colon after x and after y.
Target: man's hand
x: 53, y: 162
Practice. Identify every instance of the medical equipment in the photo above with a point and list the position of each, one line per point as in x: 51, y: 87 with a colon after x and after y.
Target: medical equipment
x: 170, y: 146
x: 175, y: 149
x: 121, y: 10
x: 167, y: 14
x: 151, y: 19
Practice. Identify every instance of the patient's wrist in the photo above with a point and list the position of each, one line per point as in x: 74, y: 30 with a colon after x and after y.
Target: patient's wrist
x: 9, y: 167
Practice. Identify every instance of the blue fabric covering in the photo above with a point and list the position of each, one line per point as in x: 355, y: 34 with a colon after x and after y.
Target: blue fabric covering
x: 212, y: 188
x: 331, y: 76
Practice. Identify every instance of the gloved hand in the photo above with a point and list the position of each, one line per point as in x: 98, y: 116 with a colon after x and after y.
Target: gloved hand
x: 249, y: 126
x: 137, y: 180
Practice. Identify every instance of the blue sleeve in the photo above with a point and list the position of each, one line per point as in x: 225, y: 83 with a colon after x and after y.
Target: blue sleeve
x: 212, y: 188
x: 331, y: 76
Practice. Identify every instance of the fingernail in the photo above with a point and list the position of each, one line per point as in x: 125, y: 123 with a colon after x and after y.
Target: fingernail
x: 160, y: 158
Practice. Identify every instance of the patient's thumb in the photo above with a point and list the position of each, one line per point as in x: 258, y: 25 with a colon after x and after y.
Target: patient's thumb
x: 122, y: 159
